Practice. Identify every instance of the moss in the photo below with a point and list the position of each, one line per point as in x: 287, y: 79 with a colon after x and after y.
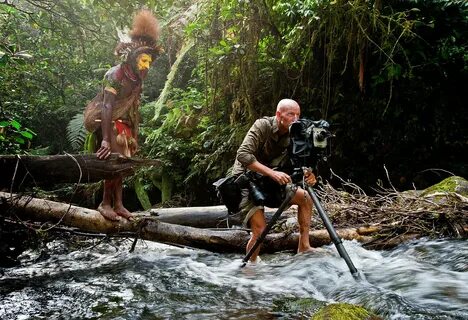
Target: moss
x: 344, y: 311
x: 451, y: 184
x: 159, y: 104
x: 141, y: 194
x: 166, y: 187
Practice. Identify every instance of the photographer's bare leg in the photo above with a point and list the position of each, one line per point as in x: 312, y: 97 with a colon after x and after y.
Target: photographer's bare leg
x: 304, y: 214
x: 257, y: 225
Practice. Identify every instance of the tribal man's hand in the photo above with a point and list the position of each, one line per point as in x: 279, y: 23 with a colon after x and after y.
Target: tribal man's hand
x: 104, y: 151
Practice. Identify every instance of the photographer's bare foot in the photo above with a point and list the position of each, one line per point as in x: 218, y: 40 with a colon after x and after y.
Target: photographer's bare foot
x: 107, y: 212
x: 123, y: 212
x: 311, y: 250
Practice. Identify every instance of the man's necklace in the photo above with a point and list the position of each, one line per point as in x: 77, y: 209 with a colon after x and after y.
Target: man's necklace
x: 130, y: 75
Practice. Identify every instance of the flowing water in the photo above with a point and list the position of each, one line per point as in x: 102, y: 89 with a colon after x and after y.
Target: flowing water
x: 426, y: 279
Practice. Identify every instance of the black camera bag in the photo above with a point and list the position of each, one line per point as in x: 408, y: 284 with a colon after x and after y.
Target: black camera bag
x: 229, y: 193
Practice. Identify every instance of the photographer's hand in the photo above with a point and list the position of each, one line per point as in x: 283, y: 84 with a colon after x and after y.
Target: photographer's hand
x: 280, y: 177
x: 309, y: 177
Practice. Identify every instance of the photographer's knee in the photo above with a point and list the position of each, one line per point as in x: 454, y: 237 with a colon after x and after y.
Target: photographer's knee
x: 302, y: 199
x: 257, y: 223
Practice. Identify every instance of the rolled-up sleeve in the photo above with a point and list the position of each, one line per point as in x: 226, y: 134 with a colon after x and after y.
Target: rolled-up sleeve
x: 253, y: 141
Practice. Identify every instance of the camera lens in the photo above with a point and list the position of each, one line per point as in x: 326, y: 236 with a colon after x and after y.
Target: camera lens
x: 257, y: 196
x: 320, y: 137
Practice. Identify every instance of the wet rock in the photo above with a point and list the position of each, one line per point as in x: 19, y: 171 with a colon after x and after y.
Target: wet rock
x: 310, y: 308
x: 344, y: 311
x: 303, y: 307
x: 453, y: 184
x: 451, y: 190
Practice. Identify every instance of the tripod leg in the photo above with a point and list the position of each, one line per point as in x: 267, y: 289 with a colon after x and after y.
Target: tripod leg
x: 333, y: 235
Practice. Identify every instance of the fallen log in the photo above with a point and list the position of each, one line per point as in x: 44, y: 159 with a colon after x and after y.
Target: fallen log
x: 198, y: 217
x: 204, y: 217
x: 19, y: 170
x: 148, y: 228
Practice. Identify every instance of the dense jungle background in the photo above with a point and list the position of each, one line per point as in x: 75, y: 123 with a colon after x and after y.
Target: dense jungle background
x: 390, y: 77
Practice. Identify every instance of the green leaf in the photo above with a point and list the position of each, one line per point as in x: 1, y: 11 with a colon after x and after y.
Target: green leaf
x: 15, y: 124
x: 7, y: 9
x: 23, y: 55
x: 20, y: 140
x: 26, y: 134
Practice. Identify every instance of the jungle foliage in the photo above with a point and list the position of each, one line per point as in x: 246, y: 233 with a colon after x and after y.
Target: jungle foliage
x: 390, y: 77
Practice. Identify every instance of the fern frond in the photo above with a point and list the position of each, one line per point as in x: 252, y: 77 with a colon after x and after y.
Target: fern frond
x: 76, y: 132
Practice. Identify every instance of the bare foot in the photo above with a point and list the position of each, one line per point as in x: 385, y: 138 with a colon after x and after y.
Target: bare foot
x: 123, y: 212
x: 107, y: 212
x: 256, y: 261
x: 311, y: 250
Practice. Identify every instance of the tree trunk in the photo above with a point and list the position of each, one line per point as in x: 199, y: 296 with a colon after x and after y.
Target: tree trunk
x: 198, y: 217
x: 203, y: 217
x: 20, y: 170
x: 149, y: 228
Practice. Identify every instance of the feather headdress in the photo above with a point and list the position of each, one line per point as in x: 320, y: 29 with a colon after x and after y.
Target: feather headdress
x: 141, y: 39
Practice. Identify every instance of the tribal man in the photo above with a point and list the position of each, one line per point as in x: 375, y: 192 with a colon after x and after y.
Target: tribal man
x: 113, y: 114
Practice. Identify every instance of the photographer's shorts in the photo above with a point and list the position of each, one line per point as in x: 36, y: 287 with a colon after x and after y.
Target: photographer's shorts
x: 274, y: 197
x: 246, y: 208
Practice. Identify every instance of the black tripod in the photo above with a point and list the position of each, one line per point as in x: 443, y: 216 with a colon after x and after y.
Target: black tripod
x: 326, y: 221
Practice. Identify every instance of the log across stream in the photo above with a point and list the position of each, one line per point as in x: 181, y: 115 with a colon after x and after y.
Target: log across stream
x: 154, y: 228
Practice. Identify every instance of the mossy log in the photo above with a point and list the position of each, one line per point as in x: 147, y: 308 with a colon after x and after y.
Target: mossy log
x: 19, y: 170
x: 149, y: 228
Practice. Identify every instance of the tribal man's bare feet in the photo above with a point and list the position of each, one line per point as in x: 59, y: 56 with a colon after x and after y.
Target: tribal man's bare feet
x: 107, y: 212
x: 123, y: 212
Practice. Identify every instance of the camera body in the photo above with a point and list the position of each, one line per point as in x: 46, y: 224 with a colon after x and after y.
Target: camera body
x: 308, y: 143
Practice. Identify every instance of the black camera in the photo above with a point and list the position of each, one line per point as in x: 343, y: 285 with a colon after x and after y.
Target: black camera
x: 309, y: 140
x: 247, y: 181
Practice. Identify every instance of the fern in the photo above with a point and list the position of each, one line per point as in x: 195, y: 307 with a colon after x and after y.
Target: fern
x: 76, y: 132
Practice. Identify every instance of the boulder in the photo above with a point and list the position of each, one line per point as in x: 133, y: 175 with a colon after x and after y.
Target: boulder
x: 453, y: 184
x: 344, y: 311
x: 310, y: 308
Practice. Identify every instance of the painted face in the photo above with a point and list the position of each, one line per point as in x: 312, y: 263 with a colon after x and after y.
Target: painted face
x: 144, y: 61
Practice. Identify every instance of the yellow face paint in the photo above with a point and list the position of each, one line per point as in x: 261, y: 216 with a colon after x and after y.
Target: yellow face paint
x: 144, y: 61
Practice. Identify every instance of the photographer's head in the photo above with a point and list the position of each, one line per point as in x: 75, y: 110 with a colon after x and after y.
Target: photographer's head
x: 287, y: 112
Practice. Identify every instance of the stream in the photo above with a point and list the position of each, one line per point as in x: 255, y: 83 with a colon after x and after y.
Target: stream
x: 424, y: 279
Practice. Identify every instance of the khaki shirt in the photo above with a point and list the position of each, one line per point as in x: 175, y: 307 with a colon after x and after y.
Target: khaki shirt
x: 262, y: 143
